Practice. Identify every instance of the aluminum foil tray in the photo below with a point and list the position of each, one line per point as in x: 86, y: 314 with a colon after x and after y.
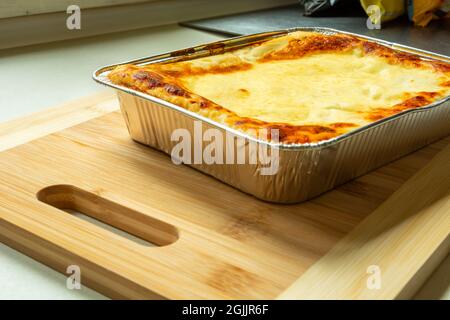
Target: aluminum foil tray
x: 303, y: 170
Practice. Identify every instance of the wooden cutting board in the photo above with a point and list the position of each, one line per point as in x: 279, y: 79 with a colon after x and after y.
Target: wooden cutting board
x: 211, y: 241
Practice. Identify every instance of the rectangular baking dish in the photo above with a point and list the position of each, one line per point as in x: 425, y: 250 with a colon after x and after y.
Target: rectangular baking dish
x: 304, y: 170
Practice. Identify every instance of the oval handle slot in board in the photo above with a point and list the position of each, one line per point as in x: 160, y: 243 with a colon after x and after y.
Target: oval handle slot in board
x: 131, y: 224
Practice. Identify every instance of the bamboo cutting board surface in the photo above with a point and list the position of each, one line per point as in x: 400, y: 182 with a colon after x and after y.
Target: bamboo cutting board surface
x: 211, y: 241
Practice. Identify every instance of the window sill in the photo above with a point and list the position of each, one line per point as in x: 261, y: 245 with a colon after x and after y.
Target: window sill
x: 42, y: 28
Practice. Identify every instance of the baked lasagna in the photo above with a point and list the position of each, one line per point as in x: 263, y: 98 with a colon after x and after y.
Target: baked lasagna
x: 309, y: 86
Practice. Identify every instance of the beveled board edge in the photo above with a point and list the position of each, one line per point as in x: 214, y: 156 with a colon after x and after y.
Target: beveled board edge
x: 336, y: 280
x: 402, y: 241
x: 36, y: 125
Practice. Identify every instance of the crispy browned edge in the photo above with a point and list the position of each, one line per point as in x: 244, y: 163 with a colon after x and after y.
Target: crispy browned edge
x: 161, y: 80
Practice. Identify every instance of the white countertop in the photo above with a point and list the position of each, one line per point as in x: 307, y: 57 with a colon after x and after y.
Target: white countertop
x: 35, y: 78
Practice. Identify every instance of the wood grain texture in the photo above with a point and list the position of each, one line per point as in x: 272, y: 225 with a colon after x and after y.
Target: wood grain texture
x: 411, y: 228
x: 24, y: 129
x: 229, y: 245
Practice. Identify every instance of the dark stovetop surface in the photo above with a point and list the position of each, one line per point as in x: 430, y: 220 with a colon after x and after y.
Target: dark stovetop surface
x: 435, y: 37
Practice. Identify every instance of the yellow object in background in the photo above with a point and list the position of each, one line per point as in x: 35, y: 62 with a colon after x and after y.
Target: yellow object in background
x: 389, y: 9
x: 421, y: 12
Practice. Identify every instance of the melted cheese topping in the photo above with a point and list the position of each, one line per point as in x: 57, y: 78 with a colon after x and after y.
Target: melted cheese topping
x: 309, y: 86
x: 318, y: 89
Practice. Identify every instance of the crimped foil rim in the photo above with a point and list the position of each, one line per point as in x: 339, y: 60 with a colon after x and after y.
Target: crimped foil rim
x: 99, y: 76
